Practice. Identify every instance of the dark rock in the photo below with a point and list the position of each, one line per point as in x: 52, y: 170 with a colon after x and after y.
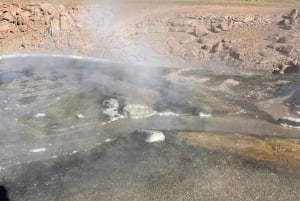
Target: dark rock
x: 216, y: 48
x: 215, y: 29
x: 293, y: 14
x: 206, y: 47
x: 290, y: 68
x: 235, y: 53
x: 203, y: 40
x: 285, y: 49
x: 282, y: 40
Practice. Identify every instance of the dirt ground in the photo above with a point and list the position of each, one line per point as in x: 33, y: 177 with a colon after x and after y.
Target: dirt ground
x: 252, y: 37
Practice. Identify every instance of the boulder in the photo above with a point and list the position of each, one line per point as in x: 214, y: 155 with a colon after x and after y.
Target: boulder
x: 150, y: 136
x: 285, y: 49
x: 282, y: 40
x: 111, y: 109
x: 290, y: 68
x: 200, y: 30
x: 290, y: 122
x: 138, y: 111
x: 235, y: 53
x: 203, y: 40
x: 180, y: 21
x: 215, y: 29
x: 226, y: 25
x: 293, y: 14
x: 23, y: 20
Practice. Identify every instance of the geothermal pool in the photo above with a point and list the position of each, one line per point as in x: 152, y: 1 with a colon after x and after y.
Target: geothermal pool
x: 85, y: 129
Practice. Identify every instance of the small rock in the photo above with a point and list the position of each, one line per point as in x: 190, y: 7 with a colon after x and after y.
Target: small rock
x: 7, y: 17
x: 203, y: 40
x: 40, y: 115
x: 23, y: 28
x: 152, y: 136
x: 285, y: 49
x: 111, y: 103
x: 23, y: 21
x: 287, y: 24
x: 282, y: 40
x: 112, y: 109
x: 290, y: 122
x: 293, y: 14
x: 290, y: 68
x: 216, y: 48
x: 235, y: 53
x: 138, y: 111
x: 46, y: 8
x: 206, y: 47
x: 204, y: 115
x: 215, y: 29
x: 79, y: 116
x: 177, y: 21
x: 54, y: 26
x: 200, y: 30
x: 226, y: 25
x: 179, y: 29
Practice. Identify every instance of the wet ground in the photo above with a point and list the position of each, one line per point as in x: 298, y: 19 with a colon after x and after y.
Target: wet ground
x: 74, y: 129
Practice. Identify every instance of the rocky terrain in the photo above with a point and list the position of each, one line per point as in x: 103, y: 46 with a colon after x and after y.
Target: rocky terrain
x: 251, y: 38
x: 39, y: 26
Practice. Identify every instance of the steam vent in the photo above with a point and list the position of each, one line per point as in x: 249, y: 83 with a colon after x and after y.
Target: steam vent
x: 77, y: 128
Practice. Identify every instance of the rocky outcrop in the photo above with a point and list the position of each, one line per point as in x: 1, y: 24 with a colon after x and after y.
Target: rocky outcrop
x: 50, y: 19
x: 288, y: 20
x: 200, y: 30
x: 226, y: 25
x: 288, y: 68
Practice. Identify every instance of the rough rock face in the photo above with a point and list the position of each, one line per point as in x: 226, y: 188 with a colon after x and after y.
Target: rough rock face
x: 226, y: 25
x: 111, y: 109
x: 45, y: 20
x: 200, y: 30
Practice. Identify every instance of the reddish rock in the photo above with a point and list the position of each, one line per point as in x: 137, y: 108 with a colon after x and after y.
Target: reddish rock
x: 23, y: 28
x: 13, y: 10
x: 46, y: 9
x: 6, y: 29
x: 7, y: 17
